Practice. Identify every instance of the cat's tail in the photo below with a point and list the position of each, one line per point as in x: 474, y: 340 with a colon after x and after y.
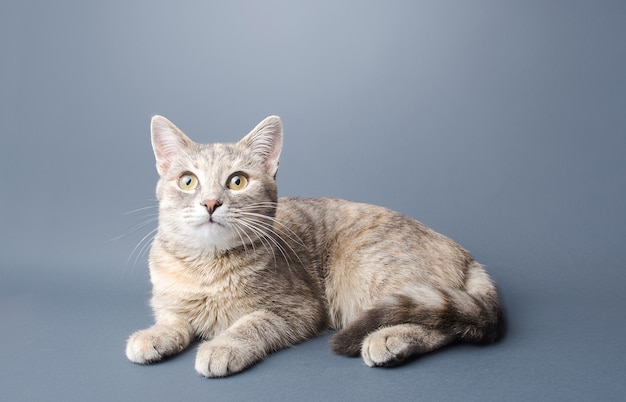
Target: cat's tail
x: 471, y: 314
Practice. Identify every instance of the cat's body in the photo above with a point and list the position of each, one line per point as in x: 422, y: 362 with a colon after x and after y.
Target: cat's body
x: 249, y: 273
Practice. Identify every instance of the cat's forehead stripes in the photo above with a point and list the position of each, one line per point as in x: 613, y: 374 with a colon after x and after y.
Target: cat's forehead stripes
x: 231, y: 156
x: 216, y: 160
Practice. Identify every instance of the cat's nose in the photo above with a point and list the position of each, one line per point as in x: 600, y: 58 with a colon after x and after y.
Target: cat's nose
x: 211, y: 205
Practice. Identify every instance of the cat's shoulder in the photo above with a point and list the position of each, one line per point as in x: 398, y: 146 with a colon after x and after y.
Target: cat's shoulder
x: 333, y: 207
x: 316, y: 202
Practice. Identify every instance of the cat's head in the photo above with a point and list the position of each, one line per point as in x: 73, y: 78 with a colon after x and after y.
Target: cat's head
x: 216, y: 197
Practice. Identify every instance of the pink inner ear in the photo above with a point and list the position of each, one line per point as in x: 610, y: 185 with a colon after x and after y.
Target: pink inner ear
x: 265, y: 141
x: 163, y: 162
x: 167, y: 142
x: 160, y: 153
x: 271, y: 163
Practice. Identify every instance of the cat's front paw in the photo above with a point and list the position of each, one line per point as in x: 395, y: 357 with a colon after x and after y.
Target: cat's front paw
x: 220, y: 359
x: 140, y: 348
x: 153, y: 344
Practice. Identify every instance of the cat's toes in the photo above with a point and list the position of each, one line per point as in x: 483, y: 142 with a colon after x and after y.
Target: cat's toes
x: 219, y: 360
x: 384, y: 349
x: 140, y: 348
x: 153, y: 344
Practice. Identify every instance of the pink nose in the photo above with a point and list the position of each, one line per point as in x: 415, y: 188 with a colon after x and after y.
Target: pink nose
x: 211, y: 205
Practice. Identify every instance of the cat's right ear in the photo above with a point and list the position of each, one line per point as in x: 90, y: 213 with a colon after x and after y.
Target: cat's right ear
x: 168, y: 142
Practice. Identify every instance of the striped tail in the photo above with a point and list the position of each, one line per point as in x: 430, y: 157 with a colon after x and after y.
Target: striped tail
x: 472, y: 314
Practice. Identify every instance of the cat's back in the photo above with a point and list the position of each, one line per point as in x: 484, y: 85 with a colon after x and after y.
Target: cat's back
x: 333, y: 217
x: 363, y: 252
x: 345, y: 230
x: 328, y: 219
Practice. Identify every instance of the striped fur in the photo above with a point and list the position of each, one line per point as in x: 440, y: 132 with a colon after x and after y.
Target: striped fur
x: 252, y: 273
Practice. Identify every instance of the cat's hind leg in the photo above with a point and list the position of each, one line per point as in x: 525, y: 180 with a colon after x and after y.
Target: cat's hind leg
x: 387, y: 335
x: 390, y: 346
x: 422, y: 319
x: 410, y: 315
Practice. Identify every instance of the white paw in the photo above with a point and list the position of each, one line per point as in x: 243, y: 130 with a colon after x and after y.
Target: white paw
x: 140, y: 348
x: 153, y: 344
x: 383, y: 348
x: 221, y: 359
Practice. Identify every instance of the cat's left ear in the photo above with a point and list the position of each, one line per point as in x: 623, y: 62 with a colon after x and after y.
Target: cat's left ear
x: 266, y: 141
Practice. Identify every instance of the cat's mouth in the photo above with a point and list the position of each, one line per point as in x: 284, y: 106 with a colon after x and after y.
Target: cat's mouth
x: 211, y: 221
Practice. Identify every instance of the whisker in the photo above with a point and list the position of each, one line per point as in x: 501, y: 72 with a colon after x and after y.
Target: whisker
x: 140, y: 209
x: 280, y: 243
x: 269, y: 234
x: 245, y: 247
x: 270, y: 231
x: 261, y: 236
x: 255, y: 207
x: 151, y: 218
x: 295, y: 238
x: 142, y: 245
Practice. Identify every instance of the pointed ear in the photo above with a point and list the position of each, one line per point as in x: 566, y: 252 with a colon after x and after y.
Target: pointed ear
x: 168, y: 142
x: 266, y: 141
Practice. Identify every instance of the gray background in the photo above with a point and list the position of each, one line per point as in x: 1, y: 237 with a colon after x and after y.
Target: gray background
x: 500, y: 124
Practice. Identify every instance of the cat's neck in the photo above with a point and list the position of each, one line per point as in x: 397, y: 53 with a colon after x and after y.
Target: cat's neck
x: 207, y: 265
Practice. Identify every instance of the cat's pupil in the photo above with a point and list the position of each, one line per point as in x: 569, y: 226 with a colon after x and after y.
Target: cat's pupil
x: 236, y: 180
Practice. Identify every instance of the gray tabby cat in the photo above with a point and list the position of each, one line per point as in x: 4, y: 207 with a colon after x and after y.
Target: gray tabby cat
x: 249, y: 273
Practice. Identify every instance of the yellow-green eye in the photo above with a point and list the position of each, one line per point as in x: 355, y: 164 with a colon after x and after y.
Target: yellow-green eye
x: 188, y: 182
x: 237, y: 181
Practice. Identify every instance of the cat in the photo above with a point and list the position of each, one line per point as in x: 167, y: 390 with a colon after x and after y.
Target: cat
x: 248, y: 273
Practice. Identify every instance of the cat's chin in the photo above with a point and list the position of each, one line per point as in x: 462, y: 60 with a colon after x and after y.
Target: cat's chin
x: 215, y: 235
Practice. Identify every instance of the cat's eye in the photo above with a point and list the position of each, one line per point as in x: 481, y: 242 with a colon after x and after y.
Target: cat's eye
x: 188, y: 182
x: 237, y: 181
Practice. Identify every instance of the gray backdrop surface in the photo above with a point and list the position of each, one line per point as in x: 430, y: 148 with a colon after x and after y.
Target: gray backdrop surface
x: 500, y: 124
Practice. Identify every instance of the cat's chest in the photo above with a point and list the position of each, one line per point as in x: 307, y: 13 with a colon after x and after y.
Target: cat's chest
x: 209, y: 309
x: 211, y: 313
x: 209, y: 303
